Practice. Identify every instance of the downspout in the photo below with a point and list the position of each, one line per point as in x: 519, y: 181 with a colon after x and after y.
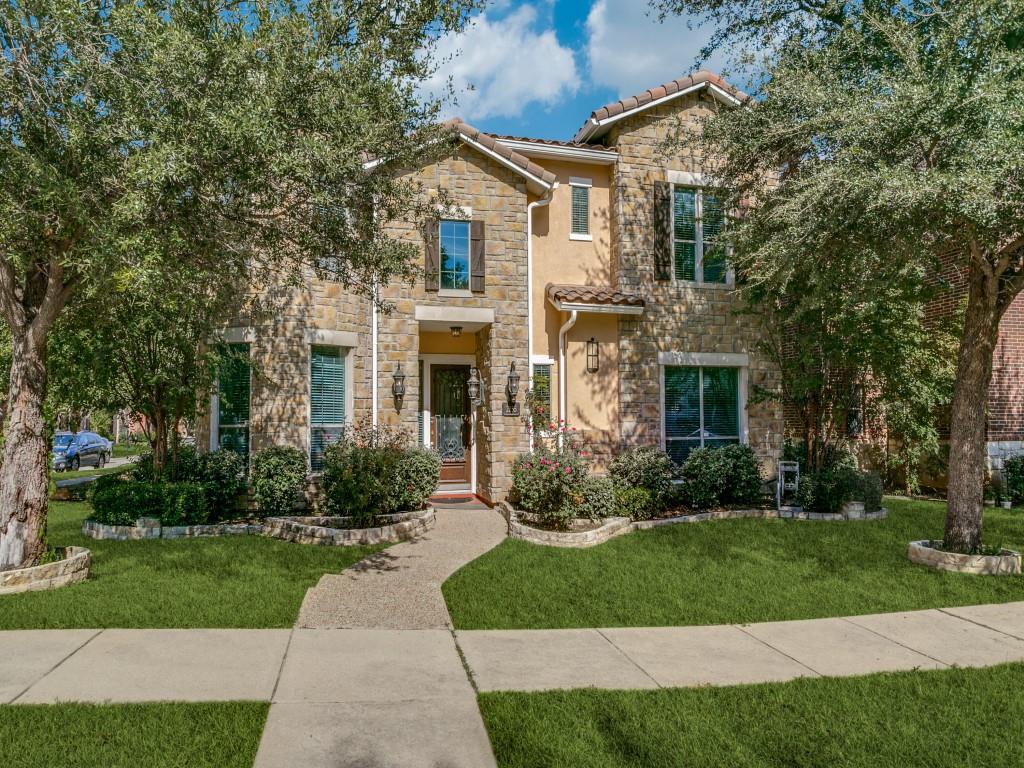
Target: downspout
x: 373, y: 351
x: 545, y: 200
x: 562, y: 389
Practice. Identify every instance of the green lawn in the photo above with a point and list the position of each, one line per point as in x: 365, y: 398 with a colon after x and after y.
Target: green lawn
x: 220, y: 735
x: 726, y: 571
x: 134, y: 449
x: 233, y: 581
x: 945, y: 719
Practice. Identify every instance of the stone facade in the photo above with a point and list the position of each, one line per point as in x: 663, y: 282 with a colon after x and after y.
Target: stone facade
x: 678, y: 317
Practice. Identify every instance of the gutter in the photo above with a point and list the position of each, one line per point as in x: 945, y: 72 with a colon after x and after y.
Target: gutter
x: 373, y: 352
x: 543, y: 201
x: 562, y: 389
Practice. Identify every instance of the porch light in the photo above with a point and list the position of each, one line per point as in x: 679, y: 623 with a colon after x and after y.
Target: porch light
x: 511, y: 407
x: 456, y: 331
x: 398, y: 386
x: 593, y: 356
x: 473, y: 386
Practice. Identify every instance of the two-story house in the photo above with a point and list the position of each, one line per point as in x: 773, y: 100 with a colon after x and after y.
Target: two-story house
x: 591, y: 269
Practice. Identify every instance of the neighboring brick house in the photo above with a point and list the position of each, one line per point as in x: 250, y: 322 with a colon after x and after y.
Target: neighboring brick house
x: 592, y: 266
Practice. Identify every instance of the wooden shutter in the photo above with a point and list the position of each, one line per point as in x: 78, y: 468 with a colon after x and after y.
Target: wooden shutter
x: 662, y: 230
x: 431, y: 268
x: 477, y: 256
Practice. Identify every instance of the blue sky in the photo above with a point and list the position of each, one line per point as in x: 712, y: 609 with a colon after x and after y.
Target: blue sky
x: 539, y: 67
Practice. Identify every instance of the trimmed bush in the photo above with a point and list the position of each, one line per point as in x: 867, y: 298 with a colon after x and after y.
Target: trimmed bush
x: 597, y: 498
x: 359, y: 481
x: 634, y: 502
x: 705, y: 473
x: 183, y: 504
x: 222, y: 475
x: 647, y: 468
x: 278, y: 475
x: 122, y: 502
x: 826, y: 491
x: 743, y: 483
x: 1013, y: 473
x: 416, y: 477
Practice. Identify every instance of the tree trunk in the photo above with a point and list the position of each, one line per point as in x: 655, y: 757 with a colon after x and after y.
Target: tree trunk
x: 967, y: 421
x: 159, y: 441
x: 24, y: 475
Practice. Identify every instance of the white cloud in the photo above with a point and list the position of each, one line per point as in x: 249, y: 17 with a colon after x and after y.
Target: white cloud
x: 509, y: 62
x: 629, y: 51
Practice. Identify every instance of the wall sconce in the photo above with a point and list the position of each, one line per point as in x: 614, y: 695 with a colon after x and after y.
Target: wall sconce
x: 456, y: 331
x: 511, y: 407
x: 398, y: 387
x: 473, y: 386
x: 593, y: 356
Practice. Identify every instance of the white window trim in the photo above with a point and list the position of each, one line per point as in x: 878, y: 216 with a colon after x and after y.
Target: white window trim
x: 584, y: 183
x: 698, y: 247
x: 349, y: 389
x: 713, y: 358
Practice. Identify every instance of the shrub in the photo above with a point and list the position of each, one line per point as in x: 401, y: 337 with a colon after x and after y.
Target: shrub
x: 743, y: 475
x: 704, y: 473
x: 278, y: 475
x: 597, y: 498
x: 417, y: 474
x: 183, y: 504
x: 826, y: 491
x: 122, y: 502
x: 634, y: 502
x: 187, y: 469
x: 1013, y: 473
x: 222, y: 475
x: 549, y: 485
x: 646, y: 468
x: 359, y: 481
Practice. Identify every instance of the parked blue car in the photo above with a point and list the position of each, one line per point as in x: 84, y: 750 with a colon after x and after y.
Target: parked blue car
x: 74, y: 451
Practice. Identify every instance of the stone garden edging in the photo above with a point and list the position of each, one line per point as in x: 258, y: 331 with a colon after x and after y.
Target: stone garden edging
x: 616, y: 526
x: 74, y: 567
x: 304, y: 530
x: 1007, y: 563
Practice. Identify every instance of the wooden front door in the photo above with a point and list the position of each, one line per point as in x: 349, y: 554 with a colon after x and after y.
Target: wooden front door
x: 451, y: 429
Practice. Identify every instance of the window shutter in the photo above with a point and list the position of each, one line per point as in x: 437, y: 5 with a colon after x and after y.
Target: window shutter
x: 662, y: 230
x: 431, y: 268
x: 477, y: 256
x: 580, y: 211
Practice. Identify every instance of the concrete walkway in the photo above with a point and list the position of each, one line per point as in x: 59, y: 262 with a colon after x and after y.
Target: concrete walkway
x: 402, y: 698
x: 400, y: 588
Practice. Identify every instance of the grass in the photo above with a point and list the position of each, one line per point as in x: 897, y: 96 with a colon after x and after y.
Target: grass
x: 166, y: 735
x: 233, y: 581
x: 729, y: 571
x: 942, y: 719
x: 87, y: 472
x: 121, y: 450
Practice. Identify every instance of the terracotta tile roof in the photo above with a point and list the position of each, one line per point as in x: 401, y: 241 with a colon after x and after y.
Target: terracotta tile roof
x: 490, y: 143
x: 553, y: 143
x: 654, y: 94
x: 592, y: 294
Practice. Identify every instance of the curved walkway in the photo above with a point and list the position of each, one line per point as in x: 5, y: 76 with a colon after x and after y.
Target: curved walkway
x: 400, y: 588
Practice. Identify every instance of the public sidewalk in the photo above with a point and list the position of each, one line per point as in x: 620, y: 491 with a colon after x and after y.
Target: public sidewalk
x: 398, y: 698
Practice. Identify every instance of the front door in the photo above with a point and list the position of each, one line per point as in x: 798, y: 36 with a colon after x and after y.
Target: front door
x: 451, y: 429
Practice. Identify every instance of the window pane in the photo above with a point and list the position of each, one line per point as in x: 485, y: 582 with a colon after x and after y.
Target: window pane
x: 686, y: 261
x: 581, y: 210
x: 714, y: 263
x: 684, y: 214
x: 327, y: 386
x: 233, y: 393
x: 682, y: 411
x: 454, y: 255
x: 713, y: 219
x: 541, y: 415
x: 714, y: 247
x: 721, y: 403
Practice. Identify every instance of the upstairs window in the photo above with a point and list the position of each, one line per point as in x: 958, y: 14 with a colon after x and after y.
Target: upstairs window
x: 580, y: 215
x: 688, y: 229
x: 455, y: 256
x: 702, y: 409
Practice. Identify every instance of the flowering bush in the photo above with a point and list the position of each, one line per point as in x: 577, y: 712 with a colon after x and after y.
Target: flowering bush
x: 550, y: 482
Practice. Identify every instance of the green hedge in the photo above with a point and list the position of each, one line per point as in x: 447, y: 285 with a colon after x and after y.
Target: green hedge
x: 278, y: 475
x: 220, y: 473
x: 121, y: 502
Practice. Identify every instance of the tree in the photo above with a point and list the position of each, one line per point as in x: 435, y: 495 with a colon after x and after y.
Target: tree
x: 889, y: 129
x: 156, y: 136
